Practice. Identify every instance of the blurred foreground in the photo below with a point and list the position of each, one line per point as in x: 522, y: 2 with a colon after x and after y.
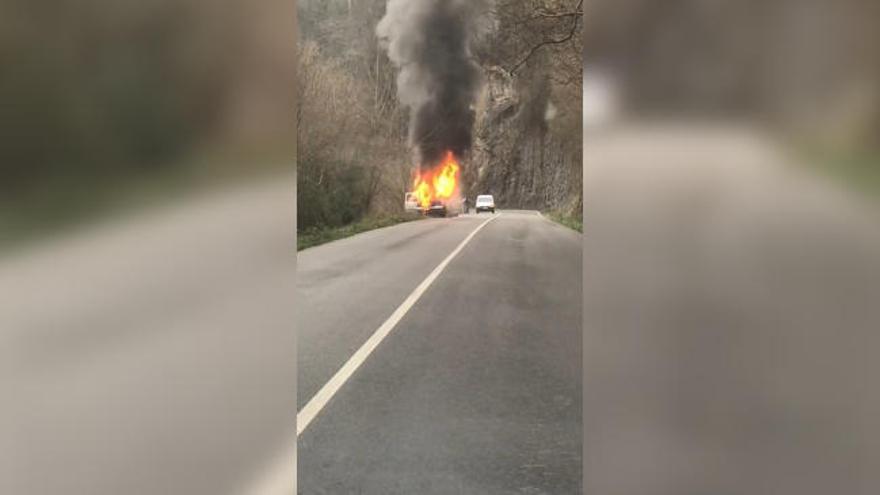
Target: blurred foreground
x: 732, y: 257
x: 147, y: 222
x: 155, y: 354
x: 109, y: 104
x: 730, y: 316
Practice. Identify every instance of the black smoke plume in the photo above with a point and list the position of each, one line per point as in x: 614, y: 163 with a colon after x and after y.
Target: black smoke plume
x: 428, y: 41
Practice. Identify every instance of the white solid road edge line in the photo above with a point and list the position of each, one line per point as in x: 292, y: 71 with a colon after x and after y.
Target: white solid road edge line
x: 314, y: 406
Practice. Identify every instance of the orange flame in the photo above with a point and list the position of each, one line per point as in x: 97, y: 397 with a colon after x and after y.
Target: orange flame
x: 439, y: 183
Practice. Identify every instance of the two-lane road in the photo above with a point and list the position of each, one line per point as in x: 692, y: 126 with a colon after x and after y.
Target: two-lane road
x: 476, y: 389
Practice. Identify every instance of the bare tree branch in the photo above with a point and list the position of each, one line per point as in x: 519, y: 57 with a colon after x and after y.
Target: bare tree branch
x: 576, y: 17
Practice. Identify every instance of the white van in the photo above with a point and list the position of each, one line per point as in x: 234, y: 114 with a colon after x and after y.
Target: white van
x: 485, y: 202
x: 410, y: 202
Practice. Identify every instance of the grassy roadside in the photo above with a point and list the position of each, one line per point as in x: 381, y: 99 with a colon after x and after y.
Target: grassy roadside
x: 316, y: 236
x: 855, y: 170
x: 569, y: 221
x: 62, y: 204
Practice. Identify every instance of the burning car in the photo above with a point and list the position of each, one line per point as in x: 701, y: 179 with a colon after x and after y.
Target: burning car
x: 434, y: 188
x: 437, y: 208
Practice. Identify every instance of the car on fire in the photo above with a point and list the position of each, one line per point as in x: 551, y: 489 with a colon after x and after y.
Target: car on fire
x: 436, y: 209
x: 485, y: 202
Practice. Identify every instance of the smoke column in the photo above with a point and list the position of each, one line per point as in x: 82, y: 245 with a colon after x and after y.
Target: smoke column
x: 428, y: 41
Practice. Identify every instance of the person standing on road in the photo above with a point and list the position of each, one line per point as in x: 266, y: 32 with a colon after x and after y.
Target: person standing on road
x: 466, y: 208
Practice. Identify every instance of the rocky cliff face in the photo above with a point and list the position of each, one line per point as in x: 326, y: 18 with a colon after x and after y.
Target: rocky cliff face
x: 526, y: 154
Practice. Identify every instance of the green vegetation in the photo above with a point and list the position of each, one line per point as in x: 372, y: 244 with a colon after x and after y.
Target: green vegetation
x: 59, y: 204
x: 859, y: 170
x: 570, y: 221
x: 314, y: 236
x: 352, y: 155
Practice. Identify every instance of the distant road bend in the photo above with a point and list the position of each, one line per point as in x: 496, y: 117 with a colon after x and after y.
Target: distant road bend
x: 441, y: 356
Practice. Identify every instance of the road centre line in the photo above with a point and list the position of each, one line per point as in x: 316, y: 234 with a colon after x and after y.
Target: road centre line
x: 317, y: 403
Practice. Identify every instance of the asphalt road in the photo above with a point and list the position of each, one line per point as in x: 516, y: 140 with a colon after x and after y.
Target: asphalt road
x: 478, y: 387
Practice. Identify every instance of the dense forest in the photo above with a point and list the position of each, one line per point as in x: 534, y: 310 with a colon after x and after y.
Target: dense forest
x: 355, y: 155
